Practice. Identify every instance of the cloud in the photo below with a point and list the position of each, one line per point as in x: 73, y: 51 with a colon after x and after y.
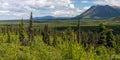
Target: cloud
x: 86, y: 7
x: 85, y: 1
x: 46, y: 4
x: 24, y: 7
x: 4, y: 11
x: 35, y: 3
x: 72, y: 6
x: 67, y: 13
x: 108, y: 2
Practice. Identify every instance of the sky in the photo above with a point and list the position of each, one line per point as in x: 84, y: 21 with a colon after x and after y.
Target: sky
x: 18, y: 9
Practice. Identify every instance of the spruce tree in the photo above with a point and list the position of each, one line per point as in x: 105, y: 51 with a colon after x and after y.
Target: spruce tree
x: 78, y: 32
x: 8, y: 35
x: 31, y: 30
x: 91, y: 40
x: 106, y: 37
x: 45, y: 34
x: 110, y: 40
x: 21, y: 31
x: 102, y: 38
x: 102, y: 35
x: 102, y: 27
x: 117, y: 47
x: 70, y: 34
x: 54, y: 43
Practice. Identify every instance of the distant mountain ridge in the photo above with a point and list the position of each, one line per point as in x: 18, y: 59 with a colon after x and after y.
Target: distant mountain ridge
x: 51, y: 18
x: 44, y: 18
x: 94, y: 12
x: 100, y: 12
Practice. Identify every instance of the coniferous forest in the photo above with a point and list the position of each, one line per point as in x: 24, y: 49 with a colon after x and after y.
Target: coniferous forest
x: 30, y: 41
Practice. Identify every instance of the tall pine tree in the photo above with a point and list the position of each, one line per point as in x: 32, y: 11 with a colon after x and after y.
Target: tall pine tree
x: 54, y: 43
x: 78, y: 32
x: 110, y: 40
x: 31, y: 30
x: 106, y: 37
x: 102, y: 35
x: 21, y: 31
x: 8, y: 34
x: 45, y: 34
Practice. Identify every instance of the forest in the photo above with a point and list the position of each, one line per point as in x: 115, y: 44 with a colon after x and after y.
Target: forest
x: 31, y: 41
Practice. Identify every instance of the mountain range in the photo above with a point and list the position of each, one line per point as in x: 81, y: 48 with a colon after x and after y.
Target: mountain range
x: 44, y: 18
x: 51, y: 18
x: 100, y: 12
x: 94, y: 12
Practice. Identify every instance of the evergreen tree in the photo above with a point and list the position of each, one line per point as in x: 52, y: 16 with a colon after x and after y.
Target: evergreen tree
x: 91, y: 40
x: 70, y: 34
x: 110, y: 40
x: 54, y: 38
x: 63, y: 36
x: 21, y: 31
x: 117, y: 48
x: 102, y: 27
x: 102, y: 38
x: 45, y: 34
x: 31, y: 29
x: 78, y: 32
x: 102, y: 35
x: 8, y: 35
x: 106, y: 37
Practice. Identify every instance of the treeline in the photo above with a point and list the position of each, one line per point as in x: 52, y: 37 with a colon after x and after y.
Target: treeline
x: 103, y: 37
x: 28, y: 35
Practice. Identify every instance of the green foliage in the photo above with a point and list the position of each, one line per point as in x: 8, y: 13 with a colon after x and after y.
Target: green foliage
x: 110, y: 39
x: 21, y: 31
x: 102, y: 33
x: 102, y: 27
x: 70, y: 35
x: 103, y: 53
x: 31, y: 30
x: 55, y: 44
x: 46, y: 36
x: 8, y: 37
x: 117, y: 48
x: 106, y: 37
x: 78, y: 32
x: 102, y: 40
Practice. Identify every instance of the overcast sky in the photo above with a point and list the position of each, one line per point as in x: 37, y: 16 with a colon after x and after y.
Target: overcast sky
x: 17, y: 9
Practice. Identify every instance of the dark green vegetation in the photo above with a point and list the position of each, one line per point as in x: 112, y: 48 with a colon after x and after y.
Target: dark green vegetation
x: 59, y: 40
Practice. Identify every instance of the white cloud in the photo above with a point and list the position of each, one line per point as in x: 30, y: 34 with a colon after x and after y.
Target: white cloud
x: 72, y: 6
x: 67, y: 13
x: 18, y: 14
x: 86, y: 7
x: 4, y: 11
x: 85, y: 1
x: 108, y: 2
x: 24, y: 7
x: 52, y: 6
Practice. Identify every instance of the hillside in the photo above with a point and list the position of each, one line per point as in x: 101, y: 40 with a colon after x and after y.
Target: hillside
x: 100, y: 12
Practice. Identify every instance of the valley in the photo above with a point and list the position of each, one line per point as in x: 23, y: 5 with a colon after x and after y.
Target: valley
x: 60, y: 30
